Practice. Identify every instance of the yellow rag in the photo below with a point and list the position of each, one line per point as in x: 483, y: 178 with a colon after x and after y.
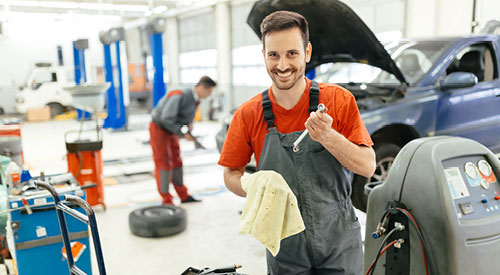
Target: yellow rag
x: 271, y: 212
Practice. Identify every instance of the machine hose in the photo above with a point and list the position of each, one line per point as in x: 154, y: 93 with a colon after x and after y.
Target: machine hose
x: 379, y: 253
x: 423, y: 243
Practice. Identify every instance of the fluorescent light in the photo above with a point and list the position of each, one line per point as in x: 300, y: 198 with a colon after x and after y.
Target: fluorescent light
x: 160, y: 9
x: 24, y: 3
x: 108, y: 17
x: 59, y: 5
x: 138, y: 8
x: 94, y: 6
x: 111, y: 7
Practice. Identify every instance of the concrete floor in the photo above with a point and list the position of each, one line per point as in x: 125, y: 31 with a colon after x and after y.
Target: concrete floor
x: 211, y: 238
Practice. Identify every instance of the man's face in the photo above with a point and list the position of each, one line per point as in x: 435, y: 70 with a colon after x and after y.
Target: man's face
x: 205, y: 91
x: 285, y: 57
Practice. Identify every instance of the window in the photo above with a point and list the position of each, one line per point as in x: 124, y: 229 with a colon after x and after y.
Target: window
x: 247, y: 60
x: 43, y: 77
x: 196, y: 64
x: 414, y: 59
x: 198, y: 56
x: 477, y: 59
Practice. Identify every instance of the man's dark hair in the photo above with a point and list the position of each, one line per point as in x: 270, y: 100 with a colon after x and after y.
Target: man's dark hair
x: 282, y: 20
x: 206, y: 81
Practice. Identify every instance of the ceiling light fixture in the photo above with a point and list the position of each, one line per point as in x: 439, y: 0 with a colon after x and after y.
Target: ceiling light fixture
x: 59, y: 5
x: 23, y: 3
x: 95, y: 6
x: 137, y: 8
x: 160, y: 9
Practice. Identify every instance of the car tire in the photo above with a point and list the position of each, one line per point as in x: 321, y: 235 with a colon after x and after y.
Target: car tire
x: 55, y: 109
x: 385, y: 154
x: 157, y: 221
x: 2, y: 111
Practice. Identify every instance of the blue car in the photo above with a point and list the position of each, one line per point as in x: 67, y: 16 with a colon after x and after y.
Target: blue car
x: 407, y: 89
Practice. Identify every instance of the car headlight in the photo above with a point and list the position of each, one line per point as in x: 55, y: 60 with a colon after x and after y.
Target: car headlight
x: 20, y: 99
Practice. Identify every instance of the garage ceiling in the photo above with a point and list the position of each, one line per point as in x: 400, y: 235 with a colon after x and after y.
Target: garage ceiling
x: 125, y: 8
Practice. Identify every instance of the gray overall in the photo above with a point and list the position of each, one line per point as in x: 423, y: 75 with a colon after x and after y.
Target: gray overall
x: 331, y: 243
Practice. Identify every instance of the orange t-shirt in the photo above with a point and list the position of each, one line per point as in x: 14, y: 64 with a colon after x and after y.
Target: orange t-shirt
x: 248, y: 129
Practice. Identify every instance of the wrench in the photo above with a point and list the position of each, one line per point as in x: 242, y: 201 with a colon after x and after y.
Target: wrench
x: 322, y: 108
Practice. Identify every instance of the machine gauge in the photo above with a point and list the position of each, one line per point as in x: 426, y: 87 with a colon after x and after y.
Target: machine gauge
x: 471, y: 170
x: 484, y: 168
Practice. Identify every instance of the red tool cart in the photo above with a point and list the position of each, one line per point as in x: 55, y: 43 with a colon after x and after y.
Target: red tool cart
x: 10, y: 142
x: 85, y: 163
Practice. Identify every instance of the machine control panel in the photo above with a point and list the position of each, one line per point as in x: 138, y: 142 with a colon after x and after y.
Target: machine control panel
x: 473, y: 186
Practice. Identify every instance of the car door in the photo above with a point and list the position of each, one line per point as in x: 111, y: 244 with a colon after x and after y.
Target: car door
x: 473, y: 112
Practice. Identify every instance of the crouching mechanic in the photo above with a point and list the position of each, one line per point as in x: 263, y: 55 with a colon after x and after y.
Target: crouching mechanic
x: 319, y: 173
x: 171, y: 119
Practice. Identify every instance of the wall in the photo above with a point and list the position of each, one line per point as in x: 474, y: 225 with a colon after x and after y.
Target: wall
x: 34, y: 38
x: 427, y: 18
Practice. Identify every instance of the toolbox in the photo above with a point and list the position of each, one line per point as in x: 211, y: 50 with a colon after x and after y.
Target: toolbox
x: 34, y: 236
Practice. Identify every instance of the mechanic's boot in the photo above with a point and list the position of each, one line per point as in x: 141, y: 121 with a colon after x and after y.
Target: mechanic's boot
x: 191, y: 199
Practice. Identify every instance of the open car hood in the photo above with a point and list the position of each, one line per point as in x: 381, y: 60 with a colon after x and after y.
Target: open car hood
x: 335, y: 31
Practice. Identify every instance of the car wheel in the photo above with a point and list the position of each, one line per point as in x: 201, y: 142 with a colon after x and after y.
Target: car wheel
x: 157, y: 221
x: 2, y: 111
x: 385, y: 152
x: 55, y: 109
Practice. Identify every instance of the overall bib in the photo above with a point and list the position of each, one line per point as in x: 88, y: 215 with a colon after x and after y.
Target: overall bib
x: 331, y: 243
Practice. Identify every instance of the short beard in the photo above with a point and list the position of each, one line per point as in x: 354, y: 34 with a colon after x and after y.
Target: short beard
x: 286, y: 86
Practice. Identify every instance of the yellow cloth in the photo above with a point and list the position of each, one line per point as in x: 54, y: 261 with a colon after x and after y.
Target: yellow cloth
x: 271, y: 212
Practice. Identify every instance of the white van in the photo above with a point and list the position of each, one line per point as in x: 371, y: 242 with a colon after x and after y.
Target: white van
x: 44, y: 87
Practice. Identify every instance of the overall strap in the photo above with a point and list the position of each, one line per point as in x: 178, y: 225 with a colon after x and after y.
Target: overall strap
x: 313, y: 97
x: 268, y: 111
x: 267, y: 105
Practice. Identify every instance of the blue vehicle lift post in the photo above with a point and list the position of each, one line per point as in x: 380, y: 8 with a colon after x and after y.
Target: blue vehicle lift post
x: 110, y: 119
x: 121, y: 119
x: 155, y: 27
x: 79, y: 47
x: 117, y: 110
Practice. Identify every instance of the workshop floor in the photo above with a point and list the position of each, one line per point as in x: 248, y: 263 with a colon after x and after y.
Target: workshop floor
x: 211, y: 238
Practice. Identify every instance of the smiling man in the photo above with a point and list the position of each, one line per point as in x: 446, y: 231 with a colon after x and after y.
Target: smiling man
x: 319, y: 172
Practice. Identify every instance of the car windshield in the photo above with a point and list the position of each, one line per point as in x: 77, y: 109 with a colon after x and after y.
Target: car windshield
x: 414, y: 59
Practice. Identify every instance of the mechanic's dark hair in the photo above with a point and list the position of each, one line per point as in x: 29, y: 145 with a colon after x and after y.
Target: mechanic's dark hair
x: 282, y: 20
x: 206, y: 81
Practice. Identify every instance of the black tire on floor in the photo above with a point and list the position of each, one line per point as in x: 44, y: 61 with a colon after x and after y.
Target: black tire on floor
x: 157, y: 221
x: 385, y: 152
x: 55, y: 109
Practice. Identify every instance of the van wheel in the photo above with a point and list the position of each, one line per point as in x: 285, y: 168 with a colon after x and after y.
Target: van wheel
x: 55, y: 109
x: 2, y: 111
x: 385, y: 152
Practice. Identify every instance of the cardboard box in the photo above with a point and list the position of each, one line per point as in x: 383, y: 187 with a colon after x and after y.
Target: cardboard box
x: 39, y: 114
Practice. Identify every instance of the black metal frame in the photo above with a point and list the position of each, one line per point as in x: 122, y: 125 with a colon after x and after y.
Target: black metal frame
x: 89, y: 219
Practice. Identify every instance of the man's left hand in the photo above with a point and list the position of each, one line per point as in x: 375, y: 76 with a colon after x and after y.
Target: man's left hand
x: 319, y: 126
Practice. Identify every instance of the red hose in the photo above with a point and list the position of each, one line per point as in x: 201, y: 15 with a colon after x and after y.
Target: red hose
x: 380, y: 255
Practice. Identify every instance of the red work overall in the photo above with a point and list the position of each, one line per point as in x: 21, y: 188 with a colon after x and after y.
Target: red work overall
x: 168, y: 162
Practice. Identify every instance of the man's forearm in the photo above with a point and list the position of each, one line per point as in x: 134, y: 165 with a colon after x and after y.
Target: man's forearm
x: 232, y: 179
x: 358, y: 159
x: 172, y: 127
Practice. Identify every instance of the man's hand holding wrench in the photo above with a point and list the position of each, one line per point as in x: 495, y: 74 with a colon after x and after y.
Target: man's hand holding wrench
x: 317, y: 126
